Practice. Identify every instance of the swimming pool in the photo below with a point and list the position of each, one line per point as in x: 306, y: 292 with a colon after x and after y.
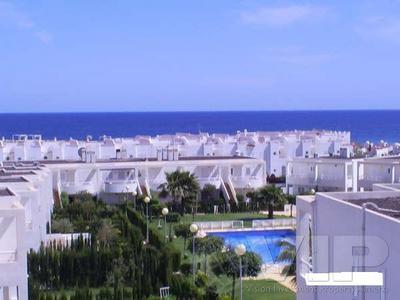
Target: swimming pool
x: 263, y: 242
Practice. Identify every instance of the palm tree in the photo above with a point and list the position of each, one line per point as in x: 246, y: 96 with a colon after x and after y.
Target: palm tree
x: 288, y: 254
x: 227, y: 263
x: 182, y: 186
x: 107, y: 233
x: 270, y: 196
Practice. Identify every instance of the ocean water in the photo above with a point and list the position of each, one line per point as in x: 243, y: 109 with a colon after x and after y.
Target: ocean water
x: 364, y: 125
x: 264, y: 243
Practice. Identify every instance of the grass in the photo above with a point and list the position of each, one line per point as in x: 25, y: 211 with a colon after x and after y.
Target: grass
x: 256, y: 290
x: 265, y: 289
x: 246, y: 217
x: 252, y: 290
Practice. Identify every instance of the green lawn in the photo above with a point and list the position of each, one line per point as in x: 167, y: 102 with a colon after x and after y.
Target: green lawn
x: 265, y: 289
x: 247, y: 217
x: 252, y: 290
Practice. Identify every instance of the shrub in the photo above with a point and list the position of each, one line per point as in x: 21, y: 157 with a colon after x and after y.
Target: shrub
x: 183, y: 287
x: 211, y: 292
x: 186, y: 268
x: 173, y: 217
x: 201, y: 279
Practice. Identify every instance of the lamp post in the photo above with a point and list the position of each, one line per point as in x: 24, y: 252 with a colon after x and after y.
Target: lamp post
x: 240, y: 250
x: 134, y: 194
x: 193, y: 229
x: 147, y: 201
x: 126, y: 190
x: 165, y: 212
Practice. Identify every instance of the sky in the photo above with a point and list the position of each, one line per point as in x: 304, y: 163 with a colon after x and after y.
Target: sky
x: 189, y: 55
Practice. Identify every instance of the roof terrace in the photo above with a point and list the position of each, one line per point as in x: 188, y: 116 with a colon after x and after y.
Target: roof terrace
x: 5, y: 192
x: 389, y: 206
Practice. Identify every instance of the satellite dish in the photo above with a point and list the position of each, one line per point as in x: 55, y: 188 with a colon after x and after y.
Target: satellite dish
x: 80, y: 152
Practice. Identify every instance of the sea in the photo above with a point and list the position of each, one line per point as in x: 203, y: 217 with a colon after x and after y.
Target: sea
x: 367, y: 125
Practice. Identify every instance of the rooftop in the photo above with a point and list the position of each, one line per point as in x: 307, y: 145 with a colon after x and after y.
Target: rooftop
x: 114, y: 160
x: 5, y: 192
x: 12, y: 179
x: 389, y: 206
x: 9, y: 173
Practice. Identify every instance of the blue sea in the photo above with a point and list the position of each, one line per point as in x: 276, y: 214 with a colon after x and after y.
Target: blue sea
x: 370, y: 125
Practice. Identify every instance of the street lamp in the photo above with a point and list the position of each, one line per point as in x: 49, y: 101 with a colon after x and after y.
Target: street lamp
x: 240, y: 250
x: 134, y: 194
x: 147, y: 201
x: 193, y: 229
x: 165, y: 212
x: 126, y: 195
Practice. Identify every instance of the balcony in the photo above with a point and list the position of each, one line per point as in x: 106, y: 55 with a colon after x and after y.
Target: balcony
x: 246, y: 181
x: 73, y: 188
x: 8, y: 256
x: 120, y: 186
x: 216, y: 181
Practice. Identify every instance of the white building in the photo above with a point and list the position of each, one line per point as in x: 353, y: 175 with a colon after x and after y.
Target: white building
x: 335, y: 174
x: 275, y: 148
x: 35, y: 171
x: 321, y: 174
x: 13, y: 247
x: 342, y: 234
x: 108, y: 179
x: 28, y: 191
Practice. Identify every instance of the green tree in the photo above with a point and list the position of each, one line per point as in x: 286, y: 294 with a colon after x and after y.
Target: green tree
x: 209, y: 198
x: 182, y: 186
x: 269, y: 197
x: 286, y: 255
x: 227, y: 263
x: 63, y: 225
x: 107, y: 233
x: 183, y: 231
x: 207, y: 246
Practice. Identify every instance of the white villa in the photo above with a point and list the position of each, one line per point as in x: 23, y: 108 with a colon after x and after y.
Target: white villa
x: 275, y: 148
x: 29, y: 189
x: 340, y: 236
x: 338, y: 174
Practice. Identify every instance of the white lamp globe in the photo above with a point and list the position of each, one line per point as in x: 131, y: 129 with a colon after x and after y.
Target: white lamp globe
x: 165, y: 211
x: 240, y: 249
x: 312, y: 191
x: 194, y: 228
x: 134, y: 193
x: 146, y: 199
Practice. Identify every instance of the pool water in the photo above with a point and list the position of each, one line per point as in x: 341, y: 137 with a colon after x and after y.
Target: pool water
x: 262, y: 242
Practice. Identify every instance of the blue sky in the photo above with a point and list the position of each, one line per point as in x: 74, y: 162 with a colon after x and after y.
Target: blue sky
x: 173, y: 55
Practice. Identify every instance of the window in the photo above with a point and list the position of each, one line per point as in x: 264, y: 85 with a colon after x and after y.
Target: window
x: 248, y: 171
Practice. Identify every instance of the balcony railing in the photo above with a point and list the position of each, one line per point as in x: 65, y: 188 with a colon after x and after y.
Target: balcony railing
x: 305, y: 266
x: 274, y: 223
x: 120, y: 186
x: 8, y: 256
x: 213, y: 225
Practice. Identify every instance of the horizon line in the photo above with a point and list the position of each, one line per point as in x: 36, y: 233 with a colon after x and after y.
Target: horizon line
x: 200, y: 111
